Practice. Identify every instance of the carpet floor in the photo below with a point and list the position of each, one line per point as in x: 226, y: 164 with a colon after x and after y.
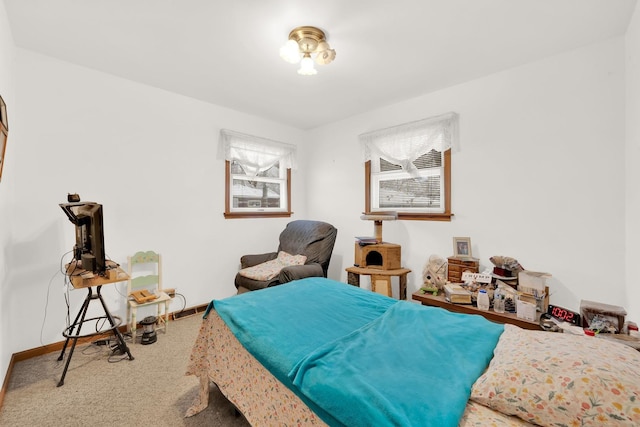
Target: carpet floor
x: 102, y: 389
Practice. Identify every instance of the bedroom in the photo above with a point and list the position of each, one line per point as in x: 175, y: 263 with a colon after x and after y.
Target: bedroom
x: 531, y: 132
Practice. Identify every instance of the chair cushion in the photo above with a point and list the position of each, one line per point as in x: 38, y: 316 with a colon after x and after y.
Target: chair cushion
x: 270, y: 269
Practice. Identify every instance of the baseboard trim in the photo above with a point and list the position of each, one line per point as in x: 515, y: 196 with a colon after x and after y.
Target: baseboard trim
x: 5, y: 383
x: 57, y: 346
x: 188, y: 312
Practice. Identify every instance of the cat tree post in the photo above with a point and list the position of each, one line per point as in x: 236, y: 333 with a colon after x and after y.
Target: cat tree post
x: 381, y: 261
x: 377, y: 219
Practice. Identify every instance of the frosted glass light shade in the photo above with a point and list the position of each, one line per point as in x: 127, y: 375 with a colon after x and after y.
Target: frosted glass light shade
x: 290, y: 52
x: 306, y: 67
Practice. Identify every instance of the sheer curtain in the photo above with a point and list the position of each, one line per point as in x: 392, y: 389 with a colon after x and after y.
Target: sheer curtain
x: 253, y: 153
x: 403, y: 144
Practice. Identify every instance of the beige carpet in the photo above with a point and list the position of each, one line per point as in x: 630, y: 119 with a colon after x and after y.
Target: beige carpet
x: 101, y: 389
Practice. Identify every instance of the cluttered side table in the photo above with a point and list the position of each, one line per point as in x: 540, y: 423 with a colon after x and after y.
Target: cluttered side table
x: 440, y: 301
x: 81, y: 279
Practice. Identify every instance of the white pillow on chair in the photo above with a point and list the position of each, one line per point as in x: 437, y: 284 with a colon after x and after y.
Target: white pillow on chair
x: 270, y: 269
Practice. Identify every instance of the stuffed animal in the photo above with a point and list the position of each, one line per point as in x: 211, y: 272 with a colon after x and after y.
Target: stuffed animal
x: 434, y: 273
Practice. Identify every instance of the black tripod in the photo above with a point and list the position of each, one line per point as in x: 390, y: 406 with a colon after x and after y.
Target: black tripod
x: 73, y: 331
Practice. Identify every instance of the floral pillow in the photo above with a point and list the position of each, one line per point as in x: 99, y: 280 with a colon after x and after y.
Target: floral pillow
x: 270, y: 269
x: 555, y: 379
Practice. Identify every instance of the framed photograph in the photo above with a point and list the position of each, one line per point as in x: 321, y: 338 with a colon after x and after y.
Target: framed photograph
x: 462, y: 247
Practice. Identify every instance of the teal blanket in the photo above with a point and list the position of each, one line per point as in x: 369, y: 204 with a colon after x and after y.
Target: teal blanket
x: 281, y: 325
x: 359, y: 358
x: 412, y: 366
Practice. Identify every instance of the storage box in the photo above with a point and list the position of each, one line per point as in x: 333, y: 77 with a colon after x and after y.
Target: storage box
x: 532, y: 288
x: 541, y: 300
x: 526, y: 310
x: 456, y: 294
x: 613, y: 313
x: 532, y: 282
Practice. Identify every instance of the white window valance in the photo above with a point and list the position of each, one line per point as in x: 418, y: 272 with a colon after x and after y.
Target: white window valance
x: 403, y: 144
x: 253, y: 153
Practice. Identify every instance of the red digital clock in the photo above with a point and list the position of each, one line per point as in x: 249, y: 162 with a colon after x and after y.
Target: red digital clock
x: 564, y: 315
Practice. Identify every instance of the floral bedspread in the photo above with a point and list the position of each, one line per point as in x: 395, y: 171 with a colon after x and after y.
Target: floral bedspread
x: 263, y: 400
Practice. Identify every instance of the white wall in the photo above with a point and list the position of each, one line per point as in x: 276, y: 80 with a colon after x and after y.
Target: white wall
x: 149, y: 157
x: 632, y: 49
x: 7, y: 53
x: 523, y: 182
x: 539, y: 177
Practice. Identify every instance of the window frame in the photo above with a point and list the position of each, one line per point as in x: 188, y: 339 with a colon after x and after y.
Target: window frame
x: 412, y: 215
x: 230, y: 214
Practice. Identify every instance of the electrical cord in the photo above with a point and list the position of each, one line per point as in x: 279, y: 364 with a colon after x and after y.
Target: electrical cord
x: 66, y: 273
x: 116, y: 350
x: 117, y: 288
x: 100, y: 323
x: 184, y: 302
x: 73, y: 266
x: 90, y: 350
x: 46, y: 306
x: 63, y: 271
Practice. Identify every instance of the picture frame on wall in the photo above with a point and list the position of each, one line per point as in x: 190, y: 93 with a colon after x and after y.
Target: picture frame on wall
x: 4, y: 132
x: 462, y: 247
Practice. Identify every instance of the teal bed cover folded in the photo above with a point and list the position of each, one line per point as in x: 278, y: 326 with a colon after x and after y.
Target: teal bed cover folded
x: 358, y: 358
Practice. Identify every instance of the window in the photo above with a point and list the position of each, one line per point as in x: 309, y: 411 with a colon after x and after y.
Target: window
x: 408, y: 168
x: 257, y: 176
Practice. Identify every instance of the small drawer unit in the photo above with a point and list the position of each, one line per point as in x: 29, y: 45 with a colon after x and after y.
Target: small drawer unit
x: 458, y: 265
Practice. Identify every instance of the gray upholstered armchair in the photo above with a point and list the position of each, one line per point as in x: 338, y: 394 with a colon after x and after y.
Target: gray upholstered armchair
x: 314, y: 239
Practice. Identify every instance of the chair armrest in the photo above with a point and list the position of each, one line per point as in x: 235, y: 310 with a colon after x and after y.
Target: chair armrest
x: 295, y: 272
x: 251, y: 260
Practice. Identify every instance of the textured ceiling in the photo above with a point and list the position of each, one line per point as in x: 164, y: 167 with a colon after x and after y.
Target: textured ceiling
x: 226, y: 52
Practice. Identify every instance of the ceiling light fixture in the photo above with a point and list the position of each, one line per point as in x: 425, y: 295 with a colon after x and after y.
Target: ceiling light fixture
x: 306, y: 45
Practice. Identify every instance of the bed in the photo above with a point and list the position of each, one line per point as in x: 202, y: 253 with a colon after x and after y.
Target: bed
x: 320, y: 352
